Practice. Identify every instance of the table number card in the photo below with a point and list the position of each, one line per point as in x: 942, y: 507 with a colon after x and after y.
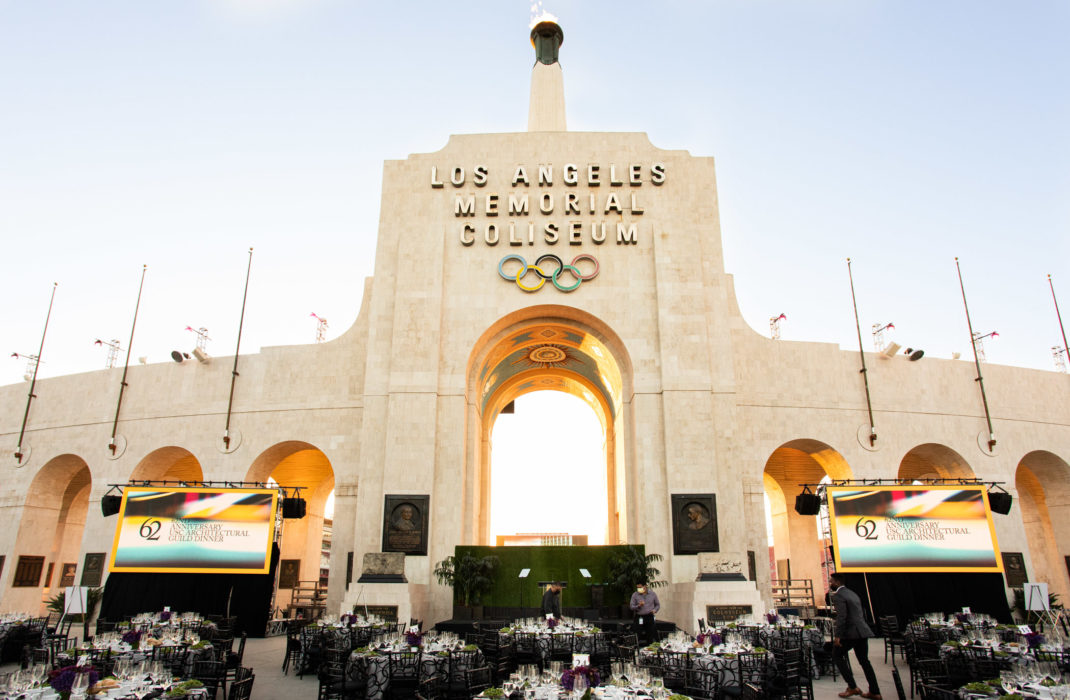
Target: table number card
x: 581, y: 660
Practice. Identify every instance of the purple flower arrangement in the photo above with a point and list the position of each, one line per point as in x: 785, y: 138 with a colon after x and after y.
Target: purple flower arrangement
x: 62, y: 679
x: 551, y: 622
x: 165, y: 616
x: 133, y: 638
x: 414, y: 639
x: 1034, y: 639
x: 962, y: 617
x: 771, y: 617
x: 568, y: 678
x: 711, y: 638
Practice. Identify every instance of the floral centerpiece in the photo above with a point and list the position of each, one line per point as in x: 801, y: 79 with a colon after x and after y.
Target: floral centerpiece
x: 711, y: 638
x: 133, y: 638
x: 568, y: 678
x: 551, y: 622
x: 414, y: 639
x: 62, y: 679
x: 771, y: 617
x: 165, y: 616
x: 1034, y: 640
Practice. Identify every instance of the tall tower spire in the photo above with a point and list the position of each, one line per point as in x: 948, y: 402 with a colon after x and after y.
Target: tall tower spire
x: 546, y: 111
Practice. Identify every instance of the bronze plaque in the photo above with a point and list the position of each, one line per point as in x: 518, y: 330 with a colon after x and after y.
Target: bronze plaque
x: 1014, y: 569
x: 726, y: 613
x: 93, y: 569
x: 289, y: 572
x: 388, y: 612
x: 67, y: 577
x: 694, y: 523
x: 405, y: 524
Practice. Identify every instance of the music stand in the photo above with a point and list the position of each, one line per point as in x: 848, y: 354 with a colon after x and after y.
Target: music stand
x: 523, y: 575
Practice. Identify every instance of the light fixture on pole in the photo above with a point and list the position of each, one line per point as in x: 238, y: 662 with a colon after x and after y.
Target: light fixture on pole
x: 113, y: 351
x: 201, y: 351
x: 979, y: 345
x: 31, y: 364
x: 774, y: 326
x: 1060, y: 357
x: 19, y: 454
x: 321, y: 327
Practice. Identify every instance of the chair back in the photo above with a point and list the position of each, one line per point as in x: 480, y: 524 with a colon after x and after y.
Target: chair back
x: 243, y: 689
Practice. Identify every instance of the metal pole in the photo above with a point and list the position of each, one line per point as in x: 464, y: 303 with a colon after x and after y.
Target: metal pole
x: 33, y: 381
x: 862, y: 354
x: 126, y: 367
x: 977, y: 362
x: 234, y: 372
x: 1059, y: 316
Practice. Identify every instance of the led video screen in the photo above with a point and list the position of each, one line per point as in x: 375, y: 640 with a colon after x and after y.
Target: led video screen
x: 912, y: 528
x: 195, y: 530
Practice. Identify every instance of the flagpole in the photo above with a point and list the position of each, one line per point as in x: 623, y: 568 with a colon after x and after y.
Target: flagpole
x: 234, y: 372
x: 976, y: 361
x: 862, y: 354
x: 33, y: 382
x: 126, y: 367
x: 1059, y: 316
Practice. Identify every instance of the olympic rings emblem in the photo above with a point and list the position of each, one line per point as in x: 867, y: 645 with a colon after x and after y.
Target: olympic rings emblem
x: 541, y: 275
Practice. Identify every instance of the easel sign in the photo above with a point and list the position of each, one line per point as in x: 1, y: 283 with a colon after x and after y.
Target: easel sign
x: 1036, y: 597
x: 75, y: 600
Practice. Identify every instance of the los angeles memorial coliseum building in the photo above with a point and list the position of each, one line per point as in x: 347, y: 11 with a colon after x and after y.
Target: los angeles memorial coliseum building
x: 589, y: 263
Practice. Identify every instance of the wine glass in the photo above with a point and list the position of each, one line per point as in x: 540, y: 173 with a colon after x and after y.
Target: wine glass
x: 80, y: 685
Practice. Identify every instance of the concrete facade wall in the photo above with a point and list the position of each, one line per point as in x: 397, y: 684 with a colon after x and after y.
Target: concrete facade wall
x: 707, y: 400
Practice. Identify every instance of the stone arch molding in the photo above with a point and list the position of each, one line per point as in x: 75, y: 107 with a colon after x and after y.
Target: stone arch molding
x: 547, y: 347
x: 1042, y: 482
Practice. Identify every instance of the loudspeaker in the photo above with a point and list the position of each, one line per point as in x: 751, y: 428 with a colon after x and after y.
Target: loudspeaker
x: 293, y: 508
x: 808, y: 504
x: 1000, y: 502
x: 201, y: 356
x: 110, y: 504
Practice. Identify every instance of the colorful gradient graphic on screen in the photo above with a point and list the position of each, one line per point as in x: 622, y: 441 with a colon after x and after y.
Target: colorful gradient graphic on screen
x: 912, y: 528
x: 195, y: 530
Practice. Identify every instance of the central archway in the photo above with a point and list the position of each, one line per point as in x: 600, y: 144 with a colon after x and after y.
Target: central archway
x: 547, y: 348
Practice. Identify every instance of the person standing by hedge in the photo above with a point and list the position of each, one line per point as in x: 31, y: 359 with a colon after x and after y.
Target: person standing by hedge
x: 644, y: 604
x: 551, y: 600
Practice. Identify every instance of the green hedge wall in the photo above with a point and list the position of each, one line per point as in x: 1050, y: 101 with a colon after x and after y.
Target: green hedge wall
x: 548, y: 564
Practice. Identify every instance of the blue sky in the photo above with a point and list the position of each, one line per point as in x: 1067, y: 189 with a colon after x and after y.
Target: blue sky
x: 178, y: 134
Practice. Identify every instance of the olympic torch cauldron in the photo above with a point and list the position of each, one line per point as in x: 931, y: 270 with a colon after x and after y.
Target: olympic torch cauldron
x: 546, y: 37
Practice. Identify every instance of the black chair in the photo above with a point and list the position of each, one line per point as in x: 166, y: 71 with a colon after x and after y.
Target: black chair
x: 627, y: 648
x: 750, y: 691
x: 339, y: 682
x: 428, y: 690
x: 674, y: 665
x: 702, y: 683
x: 476, y: 681
x: 405, y: 674
x: 293, y: 646
x: 753, y: 669
x: 935, y: 692
x: 893, y: 636
x: 898, y: 684
x: 498, y: 655
x: 243, y: 689
x: 454, y: 683
x: 561, y: 646
x: 930, y: 672
x: 527, y: 649
x: 212, y: 673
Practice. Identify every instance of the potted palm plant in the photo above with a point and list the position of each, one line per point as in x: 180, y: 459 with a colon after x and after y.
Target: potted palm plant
x: 470, y: 577
x: 630, y: 567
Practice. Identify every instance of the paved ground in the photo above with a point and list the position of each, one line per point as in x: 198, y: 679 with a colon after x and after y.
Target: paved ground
x: 265, y: 658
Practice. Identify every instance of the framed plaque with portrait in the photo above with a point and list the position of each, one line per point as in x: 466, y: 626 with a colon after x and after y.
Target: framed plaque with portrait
x: 1014, y: 569
x: 289, y: 573
x: 694, y: 523
x: 93, y: 569
x: 405, y: 524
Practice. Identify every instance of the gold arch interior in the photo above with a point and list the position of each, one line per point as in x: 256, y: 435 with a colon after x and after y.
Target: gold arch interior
x: 578, y: 363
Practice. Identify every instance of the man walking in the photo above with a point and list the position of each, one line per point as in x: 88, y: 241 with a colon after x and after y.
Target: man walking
x: 551, y: 601
x: 851, y: 632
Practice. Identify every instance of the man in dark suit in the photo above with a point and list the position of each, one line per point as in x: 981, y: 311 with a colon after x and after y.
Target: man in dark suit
x: 851, y: 632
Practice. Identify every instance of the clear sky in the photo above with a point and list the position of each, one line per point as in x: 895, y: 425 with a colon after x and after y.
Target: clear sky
x: 178, y: 134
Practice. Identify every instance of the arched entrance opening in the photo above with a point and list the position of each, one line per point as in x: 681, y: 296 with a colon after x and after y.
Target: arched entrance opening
x: 800, y: 545
x: 303, y: 547
x: 50, y: 532
x: 567, y: 481
x: 168, y: 464
x: 548, y: 348
x: 934, y: 461
x: 1042, y: 481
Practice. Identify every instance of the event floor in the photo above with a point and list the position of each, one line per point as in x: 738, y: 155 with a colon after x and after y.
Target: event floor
x: 265, y: 658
